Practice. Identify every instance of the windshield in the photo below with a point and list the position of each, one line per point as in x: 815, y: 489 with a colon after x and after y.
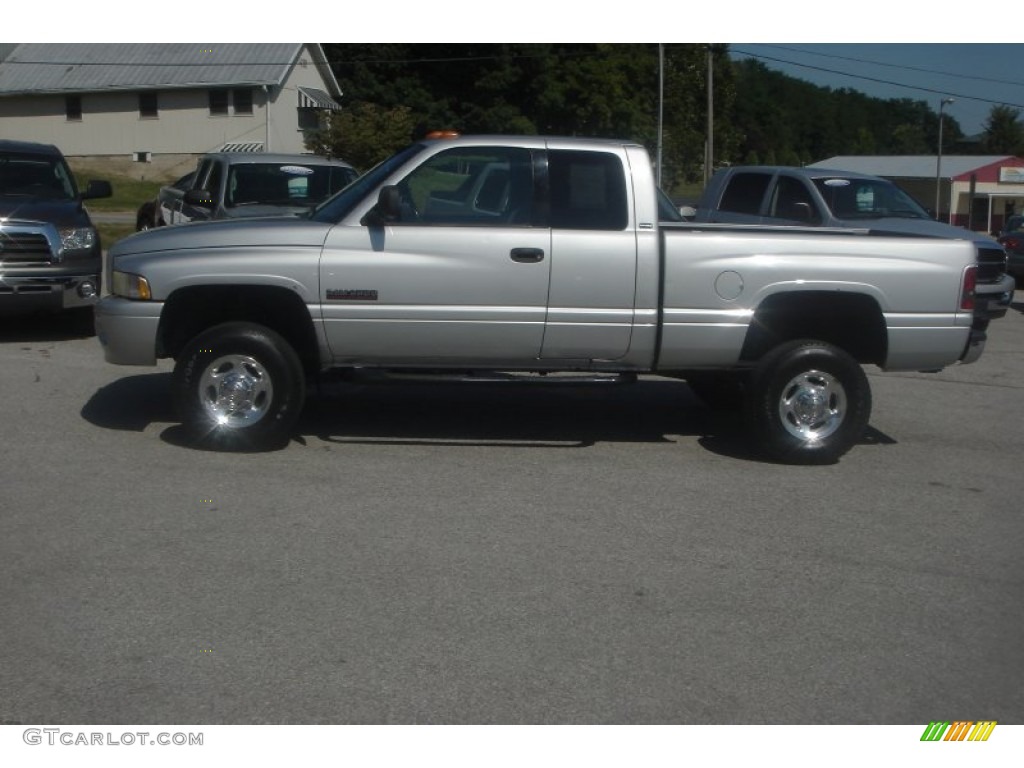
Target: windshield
x: 339, y: 206
x: 290, y: 184
x: 39, y: 176
x: 868, y: 199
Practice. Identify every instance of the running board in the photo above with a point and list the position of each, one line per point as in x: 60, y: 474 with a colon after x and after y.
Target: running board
x: 376, y: 375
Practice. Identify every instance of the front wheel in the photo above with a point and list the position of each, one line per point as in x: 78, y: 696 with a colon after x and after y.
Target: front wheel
x: 809, y: 402
x: 239, y: 386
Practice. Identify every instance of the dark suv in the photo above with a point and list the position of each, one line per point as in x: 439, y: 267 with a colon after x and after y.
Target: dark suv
x: 50, y: 257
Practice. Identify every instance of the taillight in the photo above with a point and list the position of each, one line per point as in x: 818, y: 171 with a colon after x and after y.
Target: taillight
x: 1012, y: 243
x: 967, y: 288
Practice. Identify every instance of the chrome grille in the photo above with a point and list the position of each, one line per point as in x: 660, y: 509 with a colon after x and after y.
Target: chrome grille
x: 24, y: 248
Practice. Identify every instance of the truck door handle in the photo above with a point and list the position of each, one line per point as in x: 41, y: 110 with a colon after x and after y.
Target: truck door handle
x: 527, y: 255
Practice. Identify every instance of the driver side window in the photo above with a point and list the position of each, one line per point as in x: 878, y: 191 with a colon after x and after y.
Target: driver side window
x: 470, y: 186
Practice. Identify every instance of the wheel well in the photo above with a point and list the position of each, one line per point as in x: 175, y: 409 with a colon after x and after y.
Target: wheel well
x: 851, y: 321
x: 189, y: 311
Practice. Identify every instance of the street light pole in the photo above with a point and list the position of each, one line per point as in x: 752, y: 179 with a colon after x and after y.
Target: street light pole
x: 938, y: 160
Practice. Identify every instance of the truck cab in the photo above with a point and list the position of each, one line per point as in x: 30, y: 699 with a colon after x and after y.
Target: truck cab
x: 235, y: 185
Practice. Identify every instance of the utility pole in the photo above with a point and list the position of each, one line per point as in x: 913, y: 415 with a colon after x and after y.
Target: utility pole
x: 709, y: 159
x: 661, y: 106
x: 938, y: 162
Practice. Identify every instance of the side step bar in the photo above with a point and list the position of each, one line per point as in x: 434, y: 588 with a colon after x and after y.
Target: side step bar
x: 382, y: 376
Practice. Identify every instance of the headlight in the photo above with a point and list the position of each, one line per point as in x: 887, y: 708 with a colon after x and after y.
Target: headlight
x: 130, y: 286
x: 78, y: 238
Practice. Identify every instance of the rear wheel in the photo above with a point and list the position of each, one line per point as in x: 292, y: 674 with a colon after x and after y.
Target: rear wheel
x: 238, y: 386
x: 809, y: 402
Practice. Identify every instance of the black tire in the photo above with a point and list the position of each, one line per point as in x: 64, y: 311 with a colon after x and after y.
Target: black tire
x: 808, y: 402
x: 719, y: 390
x: 239, y: 386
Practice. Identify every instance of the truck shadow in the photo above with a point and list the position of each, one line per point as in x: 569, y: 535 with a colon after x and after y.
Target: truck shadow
x: 555, y: 416
x: 58, y: 326
x: 523, y: 414
x: 132, y: 403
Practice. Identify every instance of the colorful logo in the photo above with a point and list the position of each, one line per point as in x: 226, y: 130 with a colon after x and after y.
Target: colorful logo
x: 959, y: 730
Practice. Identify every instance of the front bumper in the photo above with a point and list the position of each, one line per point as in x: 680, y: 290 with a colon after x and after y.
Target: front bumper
x: 127, y: 330
x: 32, y: 293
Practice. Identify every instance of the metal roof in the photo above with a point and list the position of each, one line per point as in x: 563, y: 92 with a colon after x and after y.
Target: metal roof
x: 88, y: 67
x: 909, y: 166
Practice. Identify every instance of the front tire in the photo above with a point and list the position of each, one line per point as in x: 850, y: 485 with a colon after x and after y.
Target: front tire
x: 239, y: 386
x: 809, y: 402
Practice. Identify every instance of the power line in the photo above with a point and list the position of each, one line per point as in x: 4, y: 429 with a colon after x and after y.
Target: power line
x: 897, y: 66
x: 332, y: 62
x: 882, y: 81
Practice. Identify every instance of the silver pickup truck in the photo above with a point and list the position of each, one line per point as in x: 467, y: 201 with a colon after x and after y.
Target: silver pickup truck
x: 535, y: 254
x: 819, y: 197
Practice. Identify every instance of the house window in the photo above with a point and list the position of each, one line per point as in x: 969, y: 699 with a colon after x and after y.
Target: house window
x: 73, y: 107
x: 309, y: 119
x: 148, y: 104
x: 218, y: 103
x: 243, y: 101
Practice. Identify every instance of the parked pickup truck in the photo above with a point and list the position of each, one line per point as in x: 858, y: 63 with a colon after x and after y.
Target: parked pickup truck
x: 50, y: 258
x: 534, y: 254
x: 845, y: 199
x: 234, y: 185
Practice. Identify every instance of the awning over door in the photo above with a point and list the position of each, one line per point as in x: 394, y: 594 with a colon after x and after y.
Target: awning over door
x: 316, y: 99
x: 242, y: 146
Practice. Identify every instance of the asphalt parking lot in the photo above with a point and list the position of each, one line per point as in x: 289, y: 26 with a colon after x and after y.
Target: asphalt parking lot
x: 481, y: 554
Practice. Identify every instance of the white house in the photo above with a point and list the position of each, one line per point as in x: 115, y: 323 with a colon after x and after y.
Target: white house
x: 133, y: 105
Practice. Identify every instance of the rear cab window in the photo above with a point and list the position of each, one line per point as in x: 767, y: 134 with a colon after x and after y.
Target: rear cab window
x: 744, y: 193
x: 588, y: 190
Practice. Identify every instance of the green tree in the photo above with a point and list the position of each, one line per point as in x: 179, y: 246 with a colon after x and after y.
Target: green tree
x: 908, y: 139
x: 789, y: 157
x: 363, y: 134
x: 553, y: 89
x: 1003, y: 133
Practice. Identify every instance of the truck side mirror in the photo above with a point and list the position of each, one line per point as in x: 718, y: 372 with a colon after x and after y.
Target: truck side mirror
x: 388, y: 208
x: 803, y: 212
x: 200, y: 198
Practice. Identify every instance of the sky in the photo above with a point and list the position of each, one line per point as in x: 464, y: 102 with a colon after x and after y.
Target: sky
x: 977, y: 76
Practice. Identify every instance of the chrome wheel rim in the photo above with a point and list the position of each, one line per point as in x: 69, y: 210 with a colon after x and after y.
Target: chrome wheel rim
x: 235, y: 391
x: 812, y: 406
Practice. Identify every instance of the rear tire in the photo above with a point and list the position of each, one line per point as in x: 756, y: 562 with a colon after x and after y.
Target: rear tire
x: 239, y: 386
x: 808, y: 402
